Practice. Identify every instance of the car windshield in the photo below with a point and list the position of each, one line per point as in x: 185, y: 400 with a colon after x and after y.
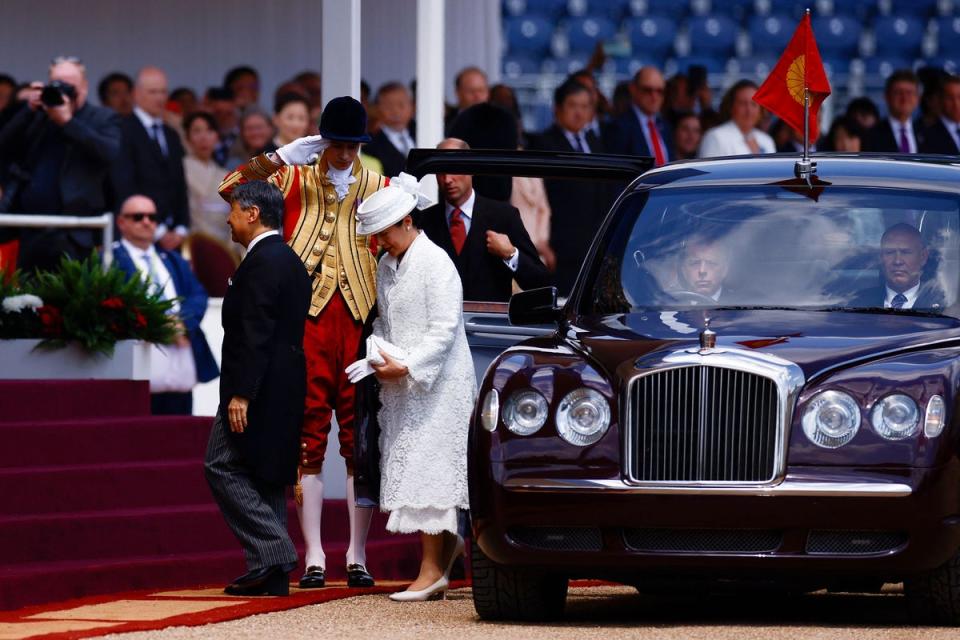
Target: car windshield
x: 887, y: 250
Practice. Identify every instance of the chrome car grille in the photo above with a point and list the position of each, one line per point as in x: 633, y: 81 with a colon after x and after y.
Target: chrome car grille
x: 703, y: 424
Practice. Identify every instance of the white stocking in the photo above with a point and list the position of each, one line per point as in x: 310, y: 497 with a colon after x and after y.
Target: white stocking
x: 359, y: 526
x: 309, y: 513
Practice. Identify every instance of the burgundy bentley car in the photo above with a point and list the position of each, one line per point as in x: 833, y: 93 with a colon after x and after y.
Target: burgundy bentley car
x: 753, y: 381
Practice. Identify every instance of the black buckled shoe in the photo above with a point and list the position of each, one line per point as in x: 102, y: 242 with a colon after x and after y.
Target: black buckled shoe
x: 358, y: 576
x: 267, y: 581
x: 313, y: 578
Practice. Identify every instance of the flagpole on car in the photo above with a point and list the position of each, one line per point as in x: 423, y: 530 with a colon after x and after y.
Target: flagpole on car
x: 805, y: 168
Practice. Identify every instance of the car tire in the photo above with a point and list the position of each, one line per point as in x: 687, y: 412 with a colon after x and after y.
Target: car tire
x: 933, y: 597
x: 505, y: 593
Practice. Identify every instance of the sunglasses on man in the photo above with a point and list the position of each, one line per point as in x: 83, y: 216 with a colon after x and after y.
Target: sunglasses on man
x: 138, y: 217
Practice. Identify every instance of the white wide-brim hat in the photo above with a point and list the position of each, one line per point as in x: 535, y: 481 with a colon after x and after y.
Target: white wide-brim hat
x: 389, y: 205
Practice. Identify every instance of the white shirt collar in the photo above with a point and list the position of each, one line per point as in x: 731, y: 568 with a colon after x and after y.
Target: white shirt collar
x: 466, y: 208
x: 265, y: 234
x: 136, y: 252
x: 399, y: 138
x: 642, y: 116
x: 146, y: 119
x: 389, y: 262
x: 910, y: 293
x: 896, y: 126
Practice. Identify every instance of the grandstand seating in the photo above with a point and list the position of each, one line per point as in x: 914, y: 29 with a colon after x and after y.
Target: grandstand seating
x: 861, y: 41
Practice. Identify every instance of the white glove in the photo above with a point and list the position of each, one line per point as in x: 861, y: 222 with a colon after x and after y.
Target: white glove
x: 303, y: 150
x: 358, y: 371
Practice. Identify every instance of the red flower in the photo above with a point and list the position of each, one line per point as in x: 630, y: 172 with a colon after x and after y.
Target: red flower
x: 141, y: 321
x: 51, y: 319
x: 112, y: 303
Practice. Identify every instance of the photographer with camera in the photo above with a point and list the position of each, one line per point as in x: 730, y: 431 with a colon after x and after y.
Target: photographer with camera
x: 55, y: 157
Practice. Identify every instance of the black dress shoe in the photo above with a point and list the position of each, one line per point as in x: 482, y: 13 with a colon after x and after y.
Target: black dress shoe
x: 266, y: 581
x: 313, y: 578
x: 358, y: 576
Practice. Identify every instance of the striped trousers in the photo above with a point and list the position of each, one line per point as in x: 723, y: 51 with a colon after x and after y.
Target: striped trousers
x: 255, y: 511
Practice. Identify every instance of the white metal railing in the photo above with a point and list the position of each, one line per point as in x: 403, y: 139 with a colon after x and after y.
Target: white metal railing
x: 104, y: 222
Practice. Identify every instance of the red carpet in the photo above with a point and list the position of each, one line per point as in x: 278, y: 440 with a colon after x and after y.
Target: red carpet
x: 100, y: 497
x: 149, y: 610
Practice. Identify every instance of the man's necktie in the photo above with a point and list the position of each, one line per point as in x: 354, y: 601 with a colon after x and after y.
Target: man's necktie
x: 655, y: 141
x: 904, y: 143
x: 898, y: 301
x: 458, y: 230
x: 159, y: 138
x: 575, y: 139
x: 152, y: 278
x: 582, y: 138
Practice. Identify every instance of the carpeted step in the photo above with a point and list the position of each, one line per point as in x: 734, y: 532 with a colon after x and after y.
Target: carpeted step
x: 99, y: 487
x: 40, y: 400
x: 396, y: 558
x: 119, y: 533
x: 102, y: 440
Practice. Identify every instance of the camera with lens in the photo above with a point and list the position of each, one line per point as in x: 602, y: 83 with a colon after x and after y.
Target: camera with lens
x: 53, y: 92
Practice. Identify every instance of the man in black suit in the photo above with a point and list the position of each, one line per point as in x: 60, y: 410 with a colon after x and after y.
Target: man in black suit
x: 151, y: 162
x: 703, y: 267
x: 391, y: 144
x: 641, y: 131
x: 898, y: 133
x: 254, y: 446
x: 576, y: 207
x: 903, y: 257
x: 485, y: 239
x: 56, y: 159
x: 944, y: 136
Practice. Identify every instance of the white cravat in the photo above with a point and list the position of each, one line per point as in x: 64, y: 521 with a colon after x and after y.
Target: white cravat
x: 341, y: 179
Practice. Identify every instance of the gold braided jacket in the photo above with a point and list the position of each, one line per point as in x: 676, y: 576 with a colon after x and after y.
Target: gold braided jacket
x: 321, y: 229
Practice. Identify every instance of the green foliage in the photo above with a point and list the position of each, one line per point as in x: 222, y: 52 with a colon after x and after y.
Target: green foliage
x: 83, y: 303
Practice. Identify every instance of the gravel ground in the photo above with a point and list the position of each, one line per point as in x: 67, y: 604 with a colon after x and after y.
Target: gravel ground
x: 609, y: 613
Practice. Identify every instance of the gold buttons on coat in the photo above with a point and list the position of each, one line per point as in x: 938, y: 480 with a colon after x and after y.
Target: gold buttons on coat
x: 330, y: 217
x: 324, y: 236
x: 303, y: 445
x: 316, y: 251
x: 329, y: 198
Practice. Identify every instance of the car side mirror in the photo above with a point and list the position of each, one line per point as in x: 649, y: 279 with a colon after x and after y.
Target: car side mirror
x: 537, y: 306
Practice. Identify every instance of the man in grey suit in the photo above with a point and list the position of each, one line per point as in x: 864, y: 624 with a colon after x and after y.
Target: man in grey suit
x: 253, y: 450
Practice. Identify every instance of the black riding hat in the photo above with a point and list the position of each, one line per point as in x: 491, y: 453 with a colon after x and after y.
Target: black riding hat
x: 344, y: 119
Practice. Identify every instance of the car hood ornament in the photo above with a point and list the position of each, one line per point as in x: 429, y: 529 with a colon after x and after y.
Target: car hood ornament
x: 708, y: 337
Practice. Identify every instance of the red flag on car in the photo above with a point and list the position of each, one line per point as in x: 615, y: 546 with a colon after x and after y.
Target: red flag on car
x: 799, y: 67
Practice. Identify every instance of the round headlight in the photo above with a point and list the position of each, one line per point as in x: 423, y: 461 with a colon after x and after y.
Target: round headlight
x: 831, y: 419
x: 490, y: 410
x: 896, y: 417
x: 583, y: 416
x: 935, y: 417
x: 525, y: 412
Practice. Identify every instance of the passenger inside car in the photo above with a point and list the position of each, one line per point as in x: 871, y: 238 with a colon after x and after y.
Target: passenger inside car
x: 703, y: 266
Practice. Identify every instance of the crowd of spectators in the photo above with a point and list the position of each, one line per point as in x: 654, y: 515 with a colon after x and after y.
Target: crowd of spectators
x: 174, y: 145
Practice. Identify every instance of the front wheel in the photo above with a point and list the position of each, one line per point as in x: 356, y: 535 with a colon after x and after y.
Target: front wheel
x: 933, y: 597
x: 506, y: 593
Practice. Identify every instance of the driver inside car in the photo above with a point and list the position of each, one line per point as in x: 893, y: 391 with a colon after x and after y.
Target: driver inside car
x: 702, y: 268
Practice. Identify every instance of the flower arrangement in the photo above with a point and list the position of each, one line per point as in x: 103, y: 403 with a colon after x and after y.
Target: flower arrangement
x: 80, y: 302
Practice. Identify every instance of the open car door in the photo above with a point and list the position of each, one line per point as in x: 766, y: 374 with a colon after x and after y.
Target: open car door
x: 488, y: 328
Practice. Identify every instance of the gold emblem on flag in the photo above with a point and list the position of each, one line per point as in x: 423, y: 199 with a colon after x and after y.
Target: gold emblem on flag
x: 795, y: 77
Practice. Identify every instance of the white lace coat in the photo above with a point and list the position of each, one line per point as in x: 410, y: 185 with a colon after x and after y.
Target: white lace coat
x: 426, y: 414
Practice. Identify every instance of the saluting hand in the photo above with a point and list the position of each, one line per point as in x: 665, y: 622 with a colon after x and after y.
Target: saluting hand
x: 237, y: 413
x: 303, y: 150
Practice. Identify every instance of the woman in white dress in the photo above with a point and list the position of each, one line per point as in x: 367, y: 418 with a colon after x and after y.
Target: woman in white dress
x: 738, y: 135
x: 419, y: 352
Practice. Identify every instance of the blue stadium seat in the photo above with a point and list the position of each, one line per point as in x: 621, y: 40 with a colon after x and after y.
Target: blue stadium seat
x: 792, y: 8
x: 899, y: 36
x: 713, y: 64
x: 771, y: 34
x: 629, y: 66
x: 950, y: 64
x: 948, y: 35
x: 584, y: 33
x: 836, y: 66
x: 859, y: 9
x: 652, y: 36
x: 712, y: 36
x: 884, y: 66
x: 529, y: 36
x: 550, y: 9
x: 565, y: 65
x: 610, y: 9
x: 918, y: 8
x: 739, y: 10
x: 675, y: 9
x: 837, y: 36
x: 519, y: 65
x: 754, y: 67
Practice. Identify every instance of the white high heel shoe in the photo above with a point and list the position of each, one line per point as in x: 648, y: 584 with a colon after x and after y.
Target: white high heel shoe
x: 436, y: 591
